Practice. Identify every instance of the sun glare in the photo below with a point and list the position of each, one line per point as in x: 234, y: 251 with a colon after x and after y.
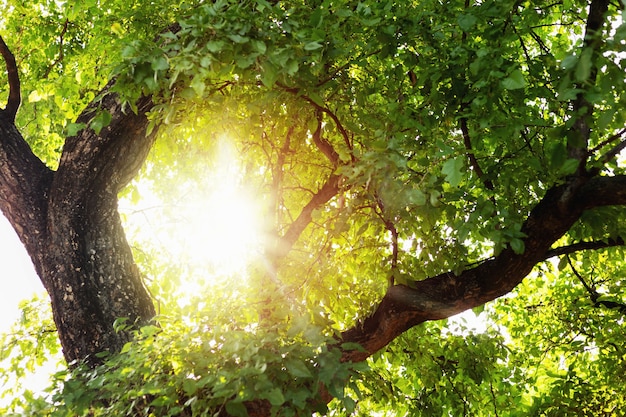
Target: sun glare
x: 210, y: 222
x: 221, y: 230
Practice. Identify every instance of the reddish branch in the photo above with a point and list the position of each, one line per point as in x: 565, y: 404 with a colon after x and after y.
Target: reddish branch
x: 322, y: 144
x: 447, y: 294
x: 328, y: 190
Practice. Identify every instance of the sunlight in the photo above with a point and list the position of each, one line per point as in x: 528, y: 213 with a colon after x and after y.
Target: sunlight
x: 221, y: 230
x: 207, y: 221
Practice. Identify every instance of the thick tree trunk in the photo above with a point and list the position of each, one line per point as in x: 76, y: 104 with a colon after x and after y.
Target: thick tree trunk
x: 69, y: 223
x: 89, y: 270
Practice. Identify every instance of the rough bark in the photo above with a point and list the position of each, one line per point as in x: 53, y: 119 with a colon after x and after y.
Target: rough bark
x: 68, y: 221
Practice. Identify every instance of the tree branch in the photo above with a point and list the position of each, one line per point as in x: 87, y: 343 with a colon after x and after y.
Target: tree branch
x: 321, y: 197
x: 594, y: 295
x: 592, y: 292
x: 470, y: 154
x: 612, y: 153
x: 24, y: 179
x: 322, y: 144
x: 582, y: 108
x: 106, y: 160
x: 333, y: 116
x: 447, y: 294
x: 581, y: 246
x: 14, y: 100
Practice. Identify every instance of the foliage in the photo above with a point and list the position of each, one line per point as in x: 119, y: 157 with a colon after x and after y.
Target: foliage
x: 446, y: 122
x: 31, y: 346
x: 212, y: 359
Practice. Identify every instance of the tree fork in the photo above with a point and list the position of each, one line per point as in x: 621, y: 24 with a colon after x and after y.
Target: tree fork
x: 69, y: 222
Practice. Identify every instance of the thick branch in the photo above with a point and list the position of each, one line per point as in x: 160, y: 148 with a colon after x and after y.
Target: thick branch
x: 14, y: 100
x: 24, y: 179
x: 105, y: 161
x: 447, y: 294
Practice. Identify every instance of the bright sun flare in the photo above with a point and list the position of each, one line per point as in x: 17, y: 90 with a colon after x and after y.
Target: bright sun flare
x: 212, y: 224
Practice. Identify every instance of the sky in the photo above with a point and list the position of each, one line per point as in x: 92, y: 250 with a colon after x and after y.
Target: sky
x: 18, y: 279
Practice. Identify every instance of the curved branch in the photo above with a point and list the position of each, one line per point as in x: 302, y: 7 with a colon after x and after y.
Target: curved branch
x: 333, y: 116
x: 14, y: 100
x: 322, y: 144
x: 447, y: 294
x: 321, y: 197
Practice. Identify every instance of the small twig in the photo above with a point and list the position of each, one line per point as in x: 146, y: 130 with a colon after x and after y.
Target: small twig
x: 592, y: 291
x: 611, y: 139
x: 14, y: 100
x: 594, y: 295
x: 380, y: 212
x: 60, y: 57
x: 470, y: 154
x: 580, y: 246
x: 612, y: 153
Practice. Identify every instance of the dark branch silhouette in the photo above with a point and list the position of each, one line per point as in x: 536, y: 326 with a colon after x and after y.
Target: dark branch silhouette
x: 14, y: 100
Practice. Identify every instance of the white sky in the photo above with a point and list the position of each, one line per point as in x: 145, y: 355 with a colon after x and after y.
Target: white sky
x: 18, y: 279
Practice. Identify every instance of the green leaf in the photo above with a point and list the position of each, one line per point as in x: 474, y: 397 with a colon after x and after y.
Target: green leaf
x: 514, y: 81
x: 417, y: 197
x: 452, y: 170
x: 238, y: 38
x: 517, y: 245
x: 467, y: 21
x: 569, y: 166
x: 236, y: 408
x: 569, y: 62
x: 275, y: 396
x: 259, y: 46
x: 269, y: 74
x: 160, y: 64
x: 214, y: 46
x: 298, y: 368
x: 74, y: 128
x: 583, y: 68
x: 102, y: 119
x: 312, y: 46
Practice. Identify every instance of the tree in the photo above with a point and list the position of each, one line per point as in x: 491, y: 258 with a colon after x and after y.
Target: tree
x: 418, y: 158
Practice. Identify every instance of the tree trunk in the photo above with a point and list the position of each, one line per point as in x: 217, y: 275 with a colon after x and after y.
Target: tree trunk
x: 69, y: 223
